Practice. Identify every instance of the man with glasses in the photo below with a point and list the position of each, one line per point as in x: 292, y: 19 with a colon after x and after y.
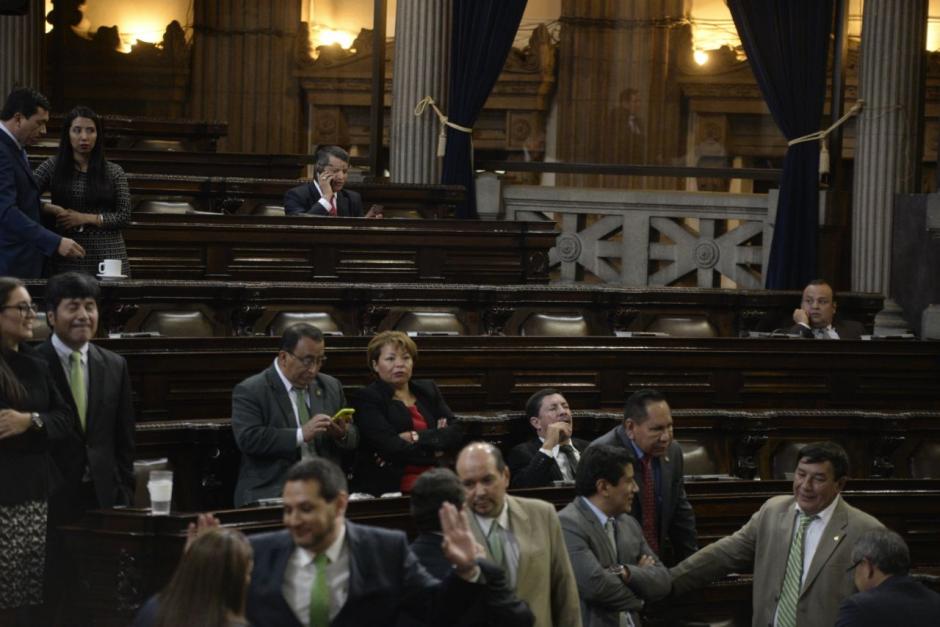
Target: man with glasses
x: 284, y: 414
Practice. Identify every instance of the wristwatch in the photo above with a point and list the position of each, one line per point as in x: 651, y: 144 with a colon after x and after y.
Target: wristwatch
x: 35, y: 422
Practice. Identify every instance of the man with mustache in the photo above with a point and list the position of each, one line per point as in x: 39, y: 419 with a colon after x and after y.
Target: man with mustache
x: 553, y: 454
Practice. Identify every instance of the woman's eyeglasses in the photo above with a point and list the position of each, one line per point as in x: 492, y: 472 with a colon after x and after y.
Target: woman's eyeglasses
x: 24, y: 308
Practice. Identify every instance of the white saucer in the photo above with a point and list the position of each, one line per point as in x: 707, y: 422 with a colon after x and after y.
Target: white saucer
x: 111, y: 277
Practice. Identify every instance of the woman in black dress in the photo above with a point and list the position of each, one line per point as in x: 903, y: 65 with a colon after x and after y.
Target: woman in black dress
x: 90, y: 198
x: 32, y: 413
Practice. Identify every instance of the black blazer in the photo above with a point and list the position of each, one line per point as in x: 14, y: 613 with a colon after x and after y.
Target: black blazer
x: 381, y: 418
x: 847, y: 330
x: 899, y: 600
x: 24, y: 242
x: 304, y: 200
x: 385, y: 578
x: 530, y: 469
x: 107, y: 445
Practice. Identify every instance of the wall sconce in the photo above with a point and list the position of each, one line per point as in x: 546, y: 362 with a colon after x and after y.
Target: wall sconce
x: 700, y: 56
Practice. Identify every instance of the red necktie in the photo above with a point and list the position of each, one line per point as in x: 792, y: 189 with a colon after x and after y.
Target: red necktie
x: 648, y: 504
x: 333, y: 205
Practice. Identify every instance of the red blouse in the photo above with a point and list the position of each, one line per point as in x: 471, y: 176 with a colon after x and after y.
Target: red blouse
x: 412, y: 472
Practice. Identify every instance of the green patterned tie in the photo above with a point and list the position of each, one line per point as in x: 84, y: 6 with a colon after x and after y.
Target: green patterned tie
x: 320, y: 595
x: 793, y: 578
x: 77, y: 383
x: 494, y: 539
x: 303, y: 412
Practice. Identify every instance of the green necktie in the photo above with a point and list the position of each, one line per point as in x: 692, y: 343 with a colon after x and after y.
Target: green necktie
x: 611, y: 536
x: 77, y: 383
x: 793, y: 577
x: 320, y: 595
x: 494, y: 539
x: 303, y: 412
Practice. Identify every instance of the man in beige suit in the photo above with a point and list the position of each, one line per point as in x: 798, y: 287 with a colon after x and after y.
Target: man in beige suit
x: 522, y: 535
x: 799, y: 547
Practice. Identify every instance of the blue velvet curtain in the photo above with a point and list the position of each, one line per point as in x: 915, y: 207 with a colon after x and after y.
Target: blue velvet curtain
x: 787, y: 44
x: 481, y: 38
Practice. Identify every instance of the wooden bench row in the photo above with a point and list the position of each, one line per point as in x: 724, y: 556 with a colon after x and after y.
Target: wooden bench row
x: 191, y: 378
x: 125, y: 132
x: 225, y: 308
x: 266, y: 248
x: 126, y: 555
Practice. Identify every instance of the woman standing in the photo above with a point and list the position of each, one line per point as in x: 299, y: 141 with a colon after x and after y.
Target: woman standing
x: 90, y: 198
x: 405, y: 427
x: 31, y: 414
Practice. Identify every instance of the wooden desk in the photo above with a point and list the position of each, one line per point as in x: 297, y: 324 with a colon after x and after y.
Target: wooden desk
x: 127, y: 555
x: 263, y: 248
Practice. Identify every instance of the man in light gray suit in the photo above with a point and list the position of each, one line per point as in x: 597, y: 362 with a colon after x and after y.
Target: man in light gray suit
x: 799, y: 547
x: 661, y: 505
x: 285, y: 413
x: 615, y: 568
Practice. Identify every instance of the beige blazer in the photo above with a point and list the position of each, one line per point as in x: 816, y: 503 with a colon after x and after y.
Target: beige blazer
x: 544, y: 578
x: 762, y: 545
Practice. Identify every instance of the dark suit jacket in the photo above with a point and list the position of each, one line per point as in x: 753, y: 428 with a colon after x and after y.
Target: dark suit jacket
x: 304, y: 200
x: 676, y: 518
x: 265, y: 431
x: 603, y: 595
x: 847, y: 330
x: 500, y: 606
x: 24, y: 242
x: 385, y: 579
x: 528, y: 468
x: 899, y: 600
x: 381, y: 418
x: 107, y: 445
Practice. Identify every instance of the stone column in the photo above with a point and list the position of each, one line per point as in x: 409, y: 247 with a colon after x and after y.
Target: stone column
x: 420, y: 68
x: 887, y: 142
x: 22, y: 54
x: 243, y: 72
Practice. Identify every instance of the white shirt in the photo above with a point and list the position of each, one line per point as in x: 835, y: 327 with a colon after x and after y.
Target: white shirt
x: 301, y: 574
x: 293, y: 402
x: 323, y: 201
x: 561, y: 459
x: 828, y: 330
x: 510, y: 544
x: 3, y: 127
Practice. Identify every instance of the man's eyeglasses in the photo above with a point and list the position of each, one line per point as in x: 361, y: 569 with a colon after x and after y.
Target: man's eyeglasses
x: 309, y: 362
x: 24, y: 308
x: 853, y: 566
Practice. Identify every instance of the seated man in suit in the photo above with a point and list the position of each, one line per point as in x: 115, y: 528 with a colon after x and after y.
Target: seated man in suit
x: 552, y: 455
x: 615, y: 568
x: 432, y: 489
x: 798, y: 547
x: 325, y: 196
x: 285, y: 413
x: 661, y: 506
x: 814, y: 318
x: 887, y: 595
x: 521, y: 535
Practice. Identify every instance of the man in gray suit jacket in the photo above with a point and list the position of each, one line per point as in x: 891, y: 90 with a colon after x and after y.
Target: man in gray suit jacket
x: 615, y: 568
x: 811, y: 532
x: 647, y: 433
x: 285, y: 413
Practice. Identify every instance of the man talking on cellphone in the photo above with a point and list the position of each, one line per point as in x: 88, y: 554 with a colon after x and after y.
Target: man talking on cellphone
x: 325, y: 196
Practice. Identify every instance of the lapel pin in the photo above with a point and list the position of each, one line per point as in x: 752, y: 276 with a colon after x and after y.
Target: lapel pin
x: 835, y: 538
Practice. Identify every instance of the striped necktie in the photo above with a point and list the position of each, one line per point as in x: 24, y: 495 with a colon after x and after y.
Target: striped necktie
x: 77, y: 385
x: 793, y: 577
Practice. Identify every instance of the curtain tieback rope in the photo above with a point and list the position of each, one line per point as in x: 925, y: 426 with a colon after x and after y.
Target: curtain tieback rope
x: 821, y: 136
x: 426, y: 102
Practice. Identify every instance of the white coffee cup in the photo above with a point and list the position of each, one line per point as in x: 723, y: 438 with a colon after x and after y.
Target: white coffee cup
x: 110, y: 267
x: 160, y: 486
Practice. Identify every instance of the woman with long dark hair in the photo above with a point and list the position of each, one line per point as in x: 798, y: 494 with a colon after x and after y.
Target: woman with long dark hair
x: 32, y: 412
x: 209, y: 587
x: 90, y: 198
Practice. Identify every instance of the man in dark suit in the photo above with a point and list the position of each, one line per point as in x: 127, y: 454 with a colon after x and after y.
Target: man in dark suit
x: 99, y: 468
x: 552, y: 455
x: 501, y: 608
x: 325, y: 570
x: 325, y: 196
x: 661, y: 505
x: 815, y: 318
x: 285, y: 413
x: 887, y: 595
x: 24, y: 242
x: 616, y: 570
x: 97, y: 461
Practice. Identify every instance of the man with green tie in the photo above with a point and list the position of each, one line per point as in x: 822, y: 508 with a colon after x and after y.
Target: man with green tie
x: 284, y: 414
x: 799, y: 547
